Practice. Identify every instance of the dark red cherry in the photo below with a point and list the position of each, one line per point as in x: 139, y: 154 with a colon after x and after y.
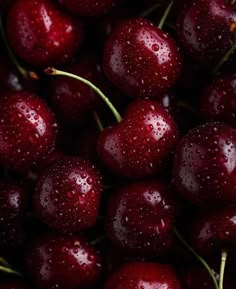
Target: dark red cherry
x: 13, y: 204
x: 67, y: 195
x: 63, y: 262
x: 204, y: 168
x: 140, y: 218
x: 207, y: 38
x: 41, y: 33
x: 143, y: 275
x: 218, y: 100
x: 14, y: 284
x: 89, y: 7
x: 215, y: 231
x: 142, y: 143
x: 27, y: 130
x: 140, y: 59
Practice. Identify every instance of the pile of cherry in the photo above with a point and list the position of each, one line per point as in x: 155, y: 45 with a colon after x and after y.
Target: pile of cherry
x: 117, y: 144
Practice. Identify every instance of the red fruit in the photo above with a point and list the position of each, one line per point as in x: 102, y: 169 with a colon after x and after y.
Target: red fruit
x: 42, y: 34
x: 13, y: 203
x: 27, y: 130
x: 215, y: 231
x: 142, y: 143
x: 63, y: 262
x: 140, y: 218
x: 140, y: 59
x: 89, y: 7
x: 204, y: 168
x: 67, y: 195
x: 137, y: 275
x: 14, y: 284
x: 204, y: 29
x: 218, y: 100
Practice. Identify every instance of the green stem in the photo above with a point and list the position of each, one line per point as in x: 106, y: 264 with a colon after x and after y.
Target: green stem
x: 199, y: 258
x: 25, y: 73
x: 4, y: 262
x: 150, y: 10
x: 98, y: 121
x: 222, y: 268
x: 166, y: 13
x: 9, y: 271
x: 225, y: 58
x: 98, y: 240
x: 53, y: 71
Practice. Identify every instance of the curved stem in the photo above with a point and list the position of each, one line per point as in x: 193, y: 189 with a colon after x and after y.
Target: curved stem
x: 53, y: 71
x: 25, y: 73
x: 224, y: 255
x: 98, y: 121
x: 199, y: 258
x: 9, y: 271
x: 150, y: 10
x: 166, y: 13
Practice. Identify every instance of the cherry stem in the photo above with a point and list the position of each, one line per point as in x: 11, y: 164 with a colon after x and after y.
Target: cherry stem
x: 199, y: 258
x: 8, y: 270
x: 150, y: 10
x: 53, y: 71
x: 4, y: 262
x: 165, y: 15
x: 224, y: 255
x: 98, y: 121
x: 25, y: 73
x: 98, y: 240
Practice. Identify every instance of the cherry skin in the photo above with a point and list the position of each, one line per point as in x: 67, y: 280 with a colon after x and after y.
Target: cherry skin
x: 67, y: 195
x: 143, y: 275
x: 208, y: 38
x: 204, y: 168
x: 140, y: 59
x: 27, y: 130
x: 140, y: 218
x: 89, y: 7
x: 13, y: 204
x: 42, y: 34
x: 215, y: 231
x: 14, y: 284
x: 218, y: 100
x: 63, y: 262
x: 141, y: 144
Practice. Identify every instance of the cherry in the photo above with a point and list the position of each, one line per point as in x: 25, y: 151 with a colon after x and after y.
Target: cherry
x: 42, y: 34
x: 140, y: 59
x: 89, y: 7
x: 27, y: 130
x: 14, y: 284
x: 63, y: 262
x: 141, y: 144
x: 204, y: 167
x: 67, y: 195
x: 140, y: 218
x: 135, y: 275
x: 207, y: 38
x: 13, y: 203
x: 218, y: 100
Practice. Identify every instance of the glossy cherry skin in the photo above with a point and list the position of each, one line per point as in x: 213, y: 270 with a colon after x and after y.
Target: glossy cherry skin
x: 208, y: 38
x: 89, y: 7
x: 13, y: 204
x: 140, y: 218
x: 141, y: 144
x: 55, y: 261
x: 218, y: 100
x: 204, y: 169
x: 27, y: 130
x: 141, y: 59
x: 215, y: 231
x: 42, y: 34
x: 67, y: 195
x: 143, y: 275
x: 14, y: 284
